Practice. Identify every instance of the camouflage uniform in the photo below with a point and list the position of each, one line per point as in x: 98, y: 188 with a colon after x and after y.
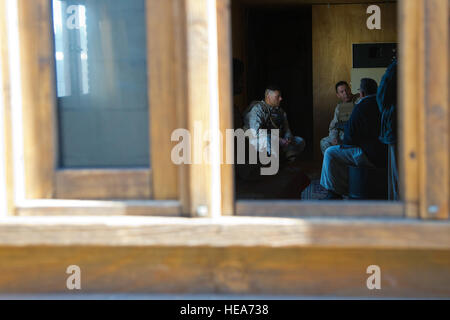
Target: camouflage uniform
x: 342, y: 113
x: 259, y: 115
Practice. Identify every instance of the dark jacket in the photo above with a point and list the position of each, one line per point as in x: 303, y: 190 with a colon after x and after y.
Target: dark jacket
x: 387, y: 104
x: 363, y: 130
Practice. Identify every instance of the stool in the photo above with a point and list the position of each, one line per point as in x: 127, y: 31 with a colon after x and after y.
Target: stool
x: 367, y: 183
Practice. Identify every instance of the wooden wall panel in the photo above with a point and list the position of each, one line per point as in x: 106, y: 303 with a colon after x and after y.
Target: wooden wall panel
x: 335, y: 28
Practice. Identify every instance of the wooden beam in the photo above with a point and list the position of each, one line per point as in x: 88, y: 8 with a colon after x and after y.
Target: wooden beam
x: 203, y: 195
x: 434, y: 125
x: 225, y: 232
x: 38, y: 96
x: 162, y: 72
x: 411, y: 94
x: 181, y: 82
x: 320, y: 272
x: 293, y: 208
x: 225, y: 101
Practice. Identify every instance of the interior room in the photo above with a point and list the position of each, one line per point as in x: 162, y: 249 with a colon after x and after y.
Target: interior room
x: 306, y: 47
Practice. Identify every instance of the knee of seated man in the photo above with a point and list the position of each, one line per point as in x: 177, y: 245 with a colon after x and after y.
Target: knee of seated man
x: 331, y: 152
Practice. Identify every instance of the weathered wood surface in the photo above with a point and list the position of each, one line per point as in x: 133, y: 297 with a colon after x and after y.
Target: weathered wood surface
x: 103, y: 184
x: 98, y: 208
x: 434, y: 125
x: 411, y: 94
x: 226, y: 231
x: 162, y: 71
x: 296, y: 208
x: 198, y: 49
x: 225, y: 101
x: 38, y: 97
x: 230, y: 270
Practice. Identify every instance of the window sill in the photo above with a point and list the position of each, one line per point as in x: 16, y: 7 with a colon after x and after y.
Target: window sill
x: 53, y: 207
x: 225, y: 232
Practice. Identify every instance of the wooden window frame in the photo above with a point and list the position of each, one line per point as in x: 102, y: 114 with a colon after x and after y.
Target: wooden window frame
x: 423, y: 159
x: 423, y: 115
x: 156, y: 186
x: 320, y: 256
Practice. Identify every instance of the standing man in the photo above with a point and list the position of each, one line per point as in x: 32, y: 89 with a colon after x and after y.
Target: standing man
x: 387, y: 103
x: 341, y: 115
x: 361, y: 145
x: 267, y: 114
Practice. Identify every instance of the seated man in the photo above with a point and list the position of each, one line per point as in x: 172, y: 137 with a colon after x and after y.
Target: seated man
x: 361, y: 146
x: 267, y: 114
x: 341, y: 115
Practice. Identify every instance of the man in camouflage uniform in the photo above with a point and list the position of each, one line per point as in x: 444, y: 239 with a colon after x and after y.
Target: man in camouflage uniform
x: 267, y: 114
x: 341, y: 115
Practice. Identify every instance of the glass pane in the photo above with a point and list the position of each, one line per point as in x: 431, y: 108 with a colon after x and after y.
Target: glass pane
x: 101, y: 75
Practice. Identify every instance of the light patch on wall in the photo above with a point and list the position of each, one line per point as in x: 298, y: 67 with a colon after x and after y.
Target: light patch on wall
x: 16, y: 101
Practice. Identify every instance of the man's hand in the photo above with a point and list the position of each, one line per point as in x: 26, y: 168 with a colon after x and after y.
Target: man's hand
x: 334, y: 142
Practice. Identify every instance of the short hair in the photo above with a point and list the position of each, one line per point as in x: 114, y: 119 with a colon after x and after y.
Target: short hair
x: 368, y: 86
x: 341, y: 83
x: 272, y: 87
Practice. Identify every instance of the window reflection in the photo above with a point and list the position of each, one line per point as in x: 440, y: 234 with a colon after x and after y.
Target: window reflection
x: 101, y: 80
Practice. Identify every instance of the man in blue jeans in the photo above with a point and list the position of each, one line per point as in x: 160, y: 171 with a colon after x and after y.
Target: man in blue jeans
x: 361, y: 146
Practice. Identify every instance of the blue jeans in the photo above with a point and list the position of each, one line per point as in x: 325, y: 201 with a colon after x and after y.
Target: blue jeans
x: 336, y: 160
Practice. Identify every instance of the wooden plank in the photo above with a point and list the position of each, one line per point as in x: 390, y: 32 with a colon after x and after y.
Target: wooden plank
x: 293, y: 208
x: 236, y: 270
x: 98, y: 208
x: 198, y: 106
x: 181, y: 81
x: 103, y: 184
x: 225, y: 100
x: 37, y: 67
x: 6, y: 153
x: 225, y: 232
x: 434, y: 154
x: 162, y: 95
x: 410, y: 97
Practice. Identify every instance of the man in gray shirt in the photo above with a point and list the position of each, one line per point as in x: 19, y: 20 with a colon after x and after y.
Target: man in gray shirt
x: 267, y: 114
x: 341, y: 115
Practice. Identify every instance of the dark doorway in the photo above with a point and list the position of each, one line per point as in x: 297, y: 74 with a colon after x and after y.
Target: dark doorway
x: 279, y: 51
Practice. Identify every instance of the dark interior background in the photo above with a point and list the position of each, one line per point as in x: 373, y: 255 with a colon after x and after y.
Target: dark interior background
x: 280, y: 51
